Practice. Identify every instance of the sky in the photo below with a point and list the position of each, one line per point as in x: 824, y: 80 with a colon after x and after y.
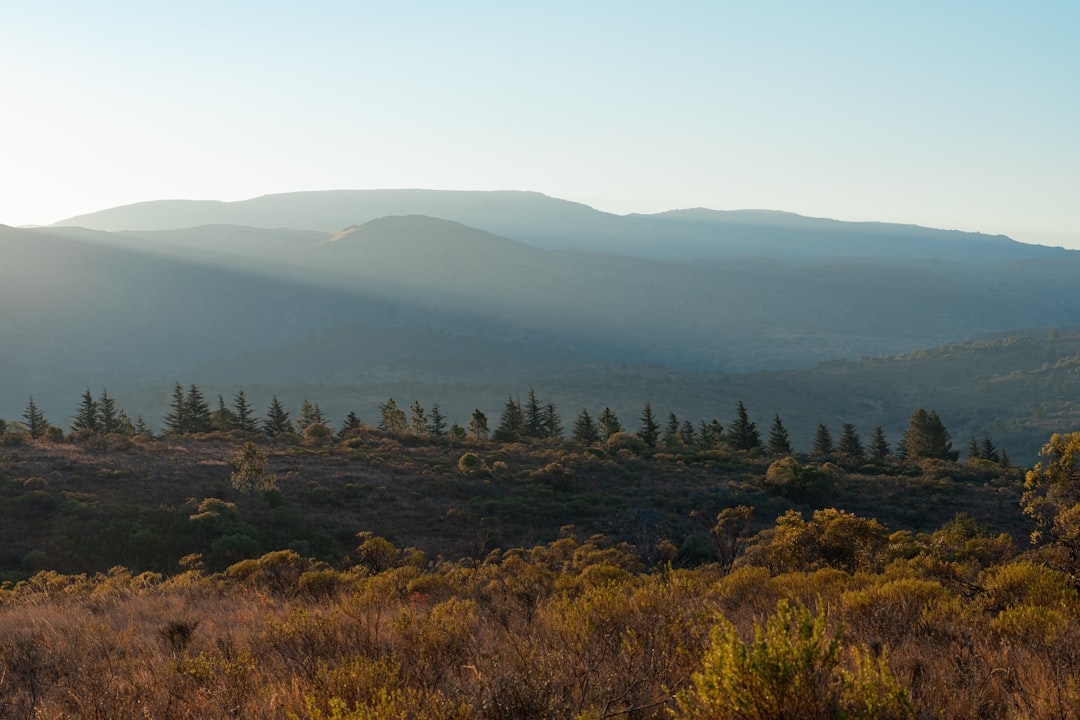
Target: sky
x: 961, y: 115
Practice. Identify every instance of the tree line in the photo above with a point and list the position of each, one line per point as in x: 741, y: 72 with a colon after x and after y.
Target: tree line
x: 191, y: 413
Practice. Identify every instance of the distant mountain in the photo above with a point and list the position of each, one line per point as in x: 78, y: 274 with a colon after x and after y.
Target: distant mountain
x: 457, y: 297
x: 550, y: 223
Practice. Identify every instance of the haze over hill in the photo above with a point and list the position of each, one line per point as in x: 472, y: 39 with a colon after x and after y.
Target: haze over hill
x: 343, y: 292
x: 551, y: 223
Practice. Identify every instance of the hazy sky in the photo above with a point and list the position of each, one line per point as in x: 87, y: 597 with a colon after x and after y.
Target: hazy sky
x: 950, y: 114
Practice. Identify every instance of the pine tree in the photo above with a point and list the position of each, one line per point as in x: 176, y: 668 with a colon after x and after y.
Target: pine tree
x: 850, y: 445
x: 608, y: 424
x: 823, y: 443
x: 927, y: 437
x: 534, y: 416
x: 650, y: 429
x: 988, y: 451
x: 107, y: 417
x: 176, y: 421
x: 585, y: 430
x: 973, y: 449
x: 86, y: 417
x: 124, y: 426
x: 352, y: 423
x: 779, y: 443
x: 36, y: 424
x: 671, y: 430
x: 418, y: 420
x: 879, y: 445
x: 689, y: 436
x: 511, y: 423
x: 223, y: 419
x: 310, y: 414
x: 244, y: 415
x: 712, y: 435
x: 743, y: 434
x: 277, y: 419
x: 249, y: 471
x: 438, y: 421
x: 1004, y: 462
x: 198, y: 412
x: 141, y: 428
x: 393, y: 417
x: 478, y: 425
x: 901, y: 448
x: 552, y: 422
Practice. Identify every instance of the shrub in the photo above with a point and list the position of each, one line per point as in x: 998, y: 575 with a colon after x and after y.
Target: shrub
x: 625, y: 441
x: 470, y: 464
x: 318, y: 434
x: 791, y: 669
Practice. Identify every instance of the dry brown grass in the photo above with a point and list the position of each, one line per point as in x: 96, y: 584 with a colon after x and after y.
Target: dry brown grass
x: 573, y: 629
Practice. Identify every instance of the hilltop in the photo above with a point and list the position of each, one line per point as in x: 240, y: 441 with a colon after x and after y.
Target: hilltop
x: 556, y: 224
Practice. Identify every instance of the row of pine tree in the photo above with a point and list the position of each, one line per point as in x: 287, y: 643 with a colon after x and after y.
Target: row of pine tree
x: 190, y: 413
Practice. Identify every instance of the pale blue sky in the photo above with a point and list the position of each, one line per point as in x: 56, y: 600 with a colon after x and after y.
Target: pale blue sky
x: 949, y: 114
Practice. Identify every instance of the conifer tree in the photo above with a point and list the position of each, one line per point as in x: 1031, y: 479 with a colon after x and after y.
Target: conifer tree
x: 478, y: 425
x: 438, y: 421
x: 671, y: 430
x: 987, y: 450
x: 457, y: 433
x: 176, y: 421
x: 243, y: 414
x: 86, y: 417
x: 107, y: 417
x: 689, y: 436
x: 393, y: 417
x: 850, y: 445
x: 511, y: 423
x: 310, y: 414
x: 650, y: 429
x: 823, y: 444
x: 223, y: 419
x: 1004, y: 462
x: 198, y: 412
x: 534, y: 416
x: 36, y: 424
x: 418, y: 420
x: 277, y: 419
x: 124, y: 426
x: 141, y: 427
x: 585, y: 430
x: 552, y: 422
x: 712, y: 435
x: 973, y: 449
x: 879, y: 445
x: 927, y: 437
x: 743, y: 434
x: 901, y: 448
x: 249, y: 473
x: 608, y: 423
x: 779, y: 442
x: 352, y: 422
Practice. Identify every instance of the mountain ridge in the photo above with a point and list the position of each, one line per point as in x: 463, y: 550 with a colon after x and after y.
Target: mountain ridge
x: 553, y: 223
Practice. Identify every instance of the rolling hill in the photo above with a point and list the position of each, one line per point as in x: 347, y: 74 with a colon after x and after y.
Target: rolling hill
x: 551, y: 223
x: 312, y: 297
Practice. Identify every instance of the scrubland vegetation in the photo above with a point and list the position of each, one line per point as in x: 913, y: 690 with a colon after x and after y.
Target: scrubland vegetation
x: 399, y: 573
x: 949, y: 627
